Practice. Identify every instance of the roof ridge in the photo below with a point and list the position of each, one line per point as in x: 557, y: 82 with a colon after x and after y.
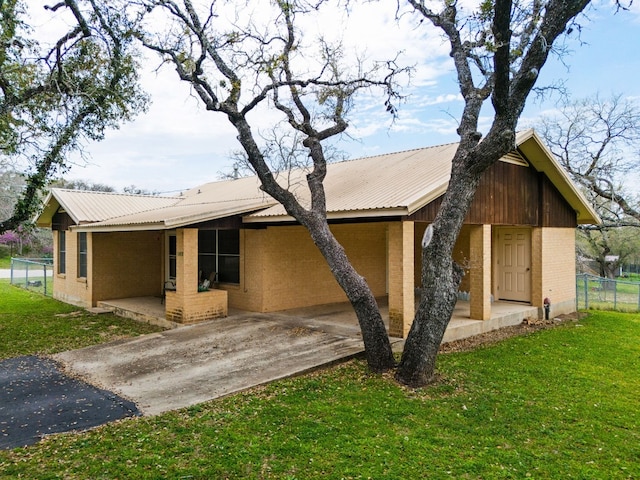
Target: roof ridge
x: 409, y: 150
x: 256, y: 197
x: 329, y: 163
x: 119, y: 194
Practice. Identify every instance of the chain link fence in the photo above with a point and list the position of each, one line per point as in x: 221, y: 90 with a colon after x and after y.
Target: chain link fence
x: 606, y: 294
x: 33, y: 274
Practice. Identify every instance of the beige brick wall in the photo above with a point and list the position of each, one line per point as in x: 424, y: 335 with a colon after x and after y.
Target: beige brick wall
x: 68, y: 287
x: 460, y: 254
x: 553, y: 268
x: 401, y: 238
x: 187, y: 273
x: 196, y: 307
x: 119, y: 265
x: 249, y: 294
x: 126, y: 264
x: 281, y: 267
x: 480, y: 272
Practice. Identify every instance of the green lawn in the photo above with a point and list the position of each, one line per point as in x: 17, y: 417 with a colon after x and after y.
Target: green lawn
x: 622, y: 295
x: 33, y: 324
x: 560, y: 403
x: 5, y: 262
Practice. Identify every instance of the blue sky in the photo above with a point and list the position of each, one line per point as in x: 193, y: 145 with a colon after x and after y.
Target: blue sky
x: 178, y: 145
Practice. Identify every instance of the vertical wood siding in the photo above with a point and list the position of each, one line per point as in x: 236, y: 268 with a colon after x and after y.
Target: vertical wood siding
x: 510, y: 194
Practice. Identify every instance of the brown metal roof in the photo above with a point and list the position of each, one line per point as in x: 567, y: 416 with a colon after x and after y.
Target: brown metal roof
x: 206, y: 202
x: 384, y: 185
x: 89, y: 207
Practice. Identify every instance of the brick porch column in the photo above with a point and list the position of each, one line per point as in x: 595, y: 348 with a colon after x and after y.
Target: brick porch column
x: 480, y: 274
x: 537, y: 268
x: 401, y: 278
x: 187, y: 261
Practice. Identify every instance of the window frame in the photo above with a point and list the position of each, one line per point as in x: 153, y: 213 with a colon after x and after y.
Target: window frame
x: 83, y: 254
x: 62, y: 252
x: 218, y: 257
x: 172, y: 256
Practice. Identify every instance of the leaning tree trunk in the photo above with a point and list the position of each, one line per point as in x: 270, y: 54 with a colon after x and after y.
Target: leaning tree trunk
x: 441, y: 278
x: 374, y: 334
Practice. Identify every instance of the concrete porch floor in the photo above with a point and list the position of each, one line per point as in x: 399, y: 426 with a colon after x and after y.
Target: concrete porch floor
x: 338, y: 317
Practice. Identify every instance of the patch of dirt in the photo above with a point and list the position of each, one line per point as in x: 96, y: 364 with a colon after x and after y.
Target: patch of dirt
x: 77, y: 313
x: 526, y: 327
x: 302, y: 332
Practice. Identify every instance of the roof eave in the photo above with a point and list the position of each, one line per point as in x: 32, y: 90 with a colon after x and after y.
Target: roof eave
x: 341, y: 215
x: 52, y: 204
x: 167, y: 223
x: 92, y: 228
x: 423, y: 201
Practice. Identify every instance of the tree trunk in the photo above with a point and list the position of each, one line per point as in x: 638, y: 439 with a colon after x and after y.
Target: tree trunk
x: 417, y: 367
x: 374, y: 334
x: 378, y: 350
x: 441, y: 278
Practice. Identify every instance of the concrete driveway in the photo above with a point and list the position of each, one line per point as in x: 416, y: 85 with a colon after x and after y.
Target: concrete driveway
x: 190, y: 365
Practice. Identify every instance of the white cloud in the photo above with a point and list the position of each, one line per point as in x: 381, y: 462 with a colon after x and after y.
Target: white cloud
x: 178, y: 144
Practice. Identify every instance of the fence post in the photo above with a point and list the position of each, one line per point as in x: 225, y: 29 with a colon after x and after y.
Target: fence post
x: 577, y: 293
x: 44, y: 267
x: 586, y: 292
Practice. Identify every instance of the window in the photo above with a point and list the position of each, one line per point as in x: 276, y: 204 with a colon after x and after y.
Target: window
x: 82, y: 255
x: 219, y: 251
x: 173, y: 249
x: 62, y: 252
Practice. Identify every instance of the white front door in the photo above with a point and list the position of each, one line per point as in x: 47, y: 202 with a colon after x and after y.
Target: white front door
x: 514, y: 264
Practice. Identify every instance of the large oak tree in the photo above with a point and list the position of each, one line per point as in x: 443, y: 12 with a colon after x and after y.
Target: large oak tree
x: 236, y: 68
x: 498, y: 52
x: 56, y: 93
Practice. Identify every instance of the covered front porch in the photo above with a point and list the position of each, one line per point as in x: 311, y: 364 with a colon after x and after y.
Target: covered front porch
x: 339, y: 317
x: 502, y: 277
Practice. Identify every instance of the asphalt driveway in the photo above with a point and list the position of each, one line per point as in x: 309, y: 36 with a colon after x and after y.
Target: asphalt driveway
x: 190, y: 365
x: 37, y: 398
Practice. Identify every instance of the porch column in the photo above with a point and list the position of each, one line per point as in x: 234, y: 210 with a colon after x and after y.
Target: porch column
x: 186, y: 304
x: 187, y: 261
x: 480, y: 274
x: 401, y: 278
x: 537, y: 269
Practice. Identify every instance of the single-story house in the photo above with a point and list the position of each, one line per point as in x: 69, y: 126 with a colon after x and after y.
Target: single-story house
x: 517, y: 243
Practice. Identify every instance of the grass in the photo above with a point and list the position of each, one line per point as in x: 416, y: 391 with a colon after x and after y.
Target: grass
x: 5, y: 262
x: 31, y: 324
x: 621, y: 295
x: 631, y: 277
x: 560, y: 403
